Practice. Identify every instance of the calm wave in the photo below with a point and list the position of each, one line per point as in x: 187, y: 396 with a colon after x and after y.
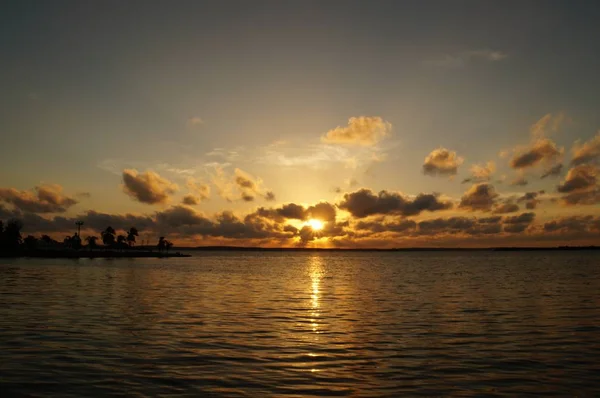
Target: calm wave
x: 264, y: 324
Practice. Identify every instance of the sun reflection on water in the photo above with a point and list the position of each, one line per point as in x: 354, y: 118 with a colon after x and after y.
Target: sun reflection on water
x: 316, y: 273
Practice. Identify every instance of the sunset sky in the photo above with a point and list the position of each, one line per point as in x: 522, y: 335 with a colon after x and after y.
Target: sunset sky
x: 391, y: 123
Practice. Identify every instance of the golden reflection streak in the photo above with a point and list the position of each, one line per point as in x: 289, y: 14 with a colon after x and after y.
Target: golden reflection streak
x: 316, y: 273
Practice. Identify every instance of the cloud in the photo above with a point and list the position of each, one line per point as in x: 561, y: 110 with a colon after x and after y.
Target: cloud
x: 531, y: 199
x: 579, y: 178
x: 43, y: 199
x: 553, y: 171
x: 364, y: 203
x: 507, y: 207
x: 190, y: 200
x: 518, y: 224
x: 520, y: 181
x: 241, y: 185
x: 547, y: 124
x: 322, y: 211
x: 269, y: 196
x: 460, y: 225
x: 198, y: 189
x: 463, y: 58
x: 588, y: 152
x: 480, y: 197
x: 542, y: 150
x: 442, y: 162
x: 250, y: 187
x: 377, y: 226
x: 573, y: 224
x: 580, y: 186
x: 147, y: 187
x: 362, y: 130
x: 481, y: 173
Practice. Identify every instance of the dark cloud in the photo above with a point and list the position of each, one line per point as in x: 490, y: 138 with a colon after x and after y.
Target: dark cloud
x: 574, y: 224
x: 531, y: 199
x: 269, y: 196
x: 147, y: 187
x: 517, y: 224
x: 43, y: 199
x: 460, y: 225
x: 589, y: 197
x: 506, y: 207
x: 364, y: 203
x: 292, y: 211
x: 250, y: 187
x: 442, y: 162
x: 376, y: 227
x: 542, y: 150
x: 190, y: 200
x: 579, y: 178
x: 480, y: 197
x: 553, y: 171
x: 588, y: 152
x: 323, y: 211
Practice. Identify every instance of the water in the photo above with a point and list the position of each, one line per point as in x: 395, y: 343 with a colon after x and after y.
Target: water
x: 302, y: 324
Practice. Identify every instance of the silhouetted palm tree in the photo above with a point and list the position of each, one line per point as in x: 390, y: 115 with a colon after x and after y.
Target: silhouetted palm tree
x: 133, y: 232
x: 169, y: 245
x: 91, y: 241
x: 108, y: 236
x: 162, y: 243
x: 67, y: 241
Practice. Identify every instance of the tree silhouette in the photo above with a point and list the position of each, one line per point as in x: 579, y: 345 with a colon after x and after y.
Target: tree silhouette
x: 47, y: 240
x: 162, y: 244
x: 2, y: 243
x: 168, y: 245
x: 108, y: 236
x: 121, y: 239
x: 91, y: 241
x: 133, y: 232
x: 30, y: 242
x: 12, y: 234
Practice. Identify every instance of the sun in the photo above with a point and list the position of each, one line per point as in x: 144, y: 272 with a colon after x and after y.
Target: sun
x: 314, y: 224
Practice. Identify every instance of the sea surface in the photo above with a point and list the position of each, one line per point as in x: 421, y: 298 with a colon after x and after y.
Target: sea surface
x: 303, y: 324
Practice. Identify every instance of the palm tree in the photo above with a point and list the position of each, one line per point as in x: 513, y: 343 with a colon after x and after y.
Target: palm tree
x: 108, y: 236
x: 133, y: 232
x: 169, y: 245
x: 162, y: 243
x: 91, y: 240
x: 67, y: 241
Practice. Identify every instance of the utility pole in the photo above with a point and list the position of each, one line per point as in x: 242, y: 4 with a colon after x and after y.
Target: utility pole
x: 79, y: 224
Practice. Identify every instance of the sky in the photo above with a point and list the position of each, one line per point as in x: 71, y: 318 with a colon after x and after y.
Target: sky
x: 394, y: 124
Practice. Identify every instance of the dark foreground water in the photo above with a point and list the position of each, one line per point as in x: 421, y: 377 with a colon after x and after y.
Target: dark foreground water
x: 301, y: 324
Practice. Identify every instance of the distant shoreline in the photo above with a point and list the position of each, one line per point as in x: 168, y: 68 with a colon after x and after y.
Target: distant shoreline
x: 91, y: 254
x: 141, y: 253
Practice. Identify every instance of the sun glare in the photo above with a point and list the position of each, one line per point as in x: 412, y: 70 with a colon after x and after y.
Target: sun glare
x: 315, y: 225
